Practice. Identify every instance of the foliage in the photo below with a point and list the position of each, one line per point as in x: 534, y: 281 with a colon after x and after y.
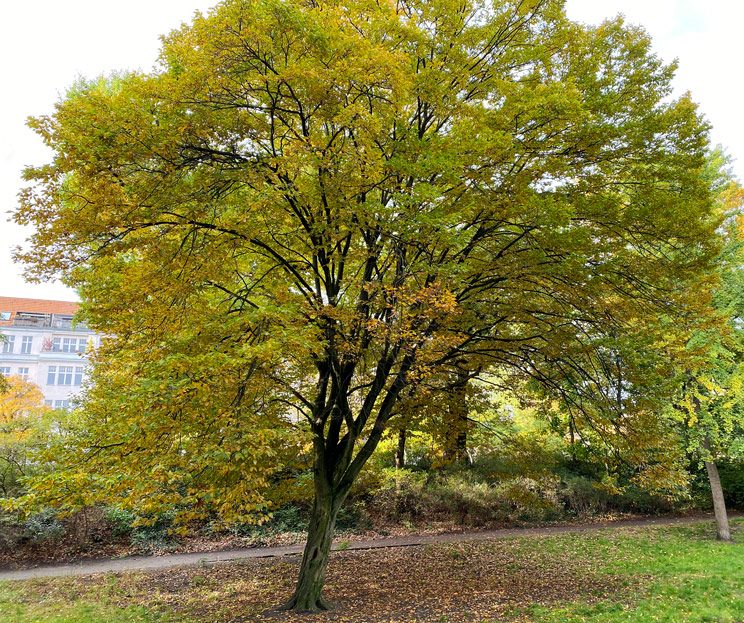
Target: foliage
x: 44, y: 526
x: 288, y: 519
x: 25, y: 425
x: 711, y: 405
x: 121, y: 521
x: 321, y: 212
x: 155, y: 534
x: 731, y: 472
x: 474, y: 497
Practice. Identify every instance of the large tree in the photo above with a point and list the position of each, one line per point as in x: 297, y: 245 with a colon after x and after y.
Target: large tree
x: 308, y: 208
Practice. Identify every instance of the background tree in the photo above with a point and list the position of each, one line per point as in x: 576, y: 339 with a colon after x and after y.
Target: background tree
x: 712, y: 402
x: 24, y: 423
x: 439, y: 406
x: 306, y: 209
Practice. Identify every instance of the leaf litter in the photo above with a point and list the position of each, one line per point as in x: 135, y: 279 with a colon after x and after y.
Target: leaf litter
x: 444, y: 583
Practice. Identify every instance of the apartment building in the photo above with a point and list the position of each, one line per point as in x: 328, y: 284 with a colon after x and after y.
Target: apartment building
x: 44, y: 346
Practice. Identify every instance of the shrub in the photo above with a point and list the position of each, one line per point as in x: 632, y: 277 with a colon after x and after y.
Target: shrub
x: 286, y: 519
x: 732, y: 481
x: 156, y: 534
x: 581, y: 497
x: 464, y: 496
x: 43, y: 527
x: 120, y: 521
x: 401, y: 495
x: 353, y: 516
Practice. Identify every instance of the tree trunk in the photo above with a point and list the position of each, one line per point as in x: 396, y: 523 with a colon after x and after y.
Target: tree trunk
x: 400, y: 453
x: 307, y: 595
x: 719, y: 506
x: 458, y: 423
x: 461, y: 445
x: 335, y: 468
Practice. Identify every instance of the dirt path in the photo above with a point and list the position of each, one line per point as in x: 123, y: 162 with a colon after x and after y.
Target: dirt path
x: 141, y: 563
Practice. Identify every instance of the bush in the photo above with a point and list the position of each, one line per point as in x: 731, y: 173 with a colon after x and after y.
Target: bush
x: 120, y: 521
x: 731, y: 473
x: 581, y: 497
x: 732, y: 480
x: 462, y: 495
x: 402, y: 494
x: 43, y: 527
x: 353, y: 516
x: 286, y: 519
x: 290, y: 518
x: 156, y: 534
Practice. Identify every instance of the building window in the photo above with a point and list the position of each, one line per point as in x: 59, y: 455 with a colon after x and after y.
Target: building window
x: 61, y: 404
x: 78, y: 376
x: 23, y: 373
x: 64, y: 345
x: 49, y: 403
x: 8, y: 344
x: 5, y: 316
x: 5, y: 371
x: 64, y: 376
x: 68, y: 345
x: 51, y: 375
x: 26, y: 344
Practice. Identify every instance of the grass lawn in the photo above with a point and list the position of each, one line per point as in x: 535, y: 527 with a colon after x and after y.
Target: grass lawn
x: 675, y: 574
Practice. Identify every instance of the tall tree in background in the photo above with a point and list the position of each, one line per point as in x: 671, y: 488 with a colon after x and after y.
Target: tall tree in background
x: 309, y: 208
x: 712, y: 405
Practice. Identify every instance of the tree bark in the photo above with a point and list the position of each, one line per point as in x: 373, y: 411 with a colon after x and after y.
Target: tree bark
x: 335, y: 468
x: 308, y: 592
x: 400, y: 453
x: 719, y: 505
x: 461, y: 445
x: 457, y: 425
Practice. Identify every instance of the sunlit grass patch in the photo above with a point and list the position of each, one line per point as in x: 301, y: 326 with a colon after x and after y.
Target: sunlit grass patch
x: 26, y: 606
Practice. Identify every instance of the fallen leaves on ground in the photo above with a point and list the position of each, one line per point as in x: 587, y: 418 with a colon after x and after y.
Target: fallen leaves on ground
x: 470, y: 581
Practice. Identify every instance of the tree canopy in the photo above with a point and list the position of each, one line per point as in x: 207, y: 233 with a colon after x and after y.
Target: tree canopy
x: 710, y: 401
x: 307, y: 209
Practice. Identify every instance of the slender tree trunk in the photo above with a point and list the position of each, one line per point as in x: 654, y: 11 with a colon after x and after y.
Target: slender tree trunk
x: 400, y: 453
x: 307, y: 595
x: 719, y: 505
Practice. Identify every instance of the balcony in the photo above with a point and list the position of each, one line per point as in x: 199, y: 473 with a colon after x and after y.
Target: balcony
x: 32, y: 320
x: 47, y: 321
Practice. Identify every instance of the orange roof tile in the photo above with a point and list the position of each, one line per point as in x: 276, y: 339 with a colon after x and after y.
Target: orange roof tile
x: 36, y: 306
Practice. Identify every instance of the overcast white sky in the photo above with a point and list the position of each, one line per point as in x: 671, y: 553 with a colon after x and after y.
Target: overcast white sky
x: 46, y: 44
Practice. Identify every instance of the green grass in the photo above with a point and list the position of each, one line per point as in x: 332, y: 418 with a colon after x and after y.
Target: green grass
x: 17, y: 607
x: 689, y: 577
